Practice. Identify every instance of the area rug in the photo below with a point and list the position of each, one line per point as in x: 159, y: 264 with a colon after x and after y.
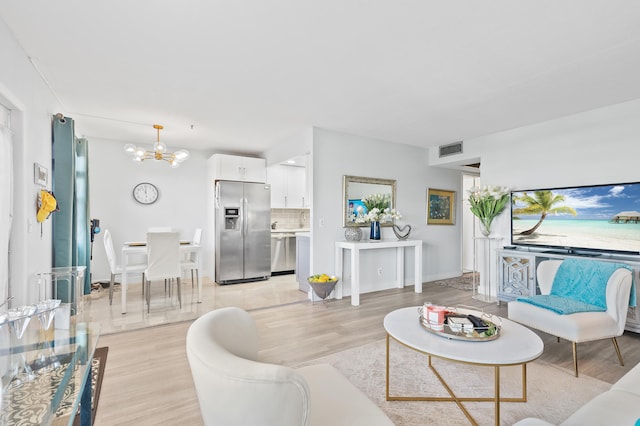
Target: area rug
x: 464, y: 282
x: 553, y: 392
x: 33, y: 402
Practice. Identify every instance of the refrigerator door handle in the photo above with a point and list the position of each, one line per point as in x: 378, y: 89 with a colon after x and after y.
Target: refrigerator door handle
x: 245, y: 221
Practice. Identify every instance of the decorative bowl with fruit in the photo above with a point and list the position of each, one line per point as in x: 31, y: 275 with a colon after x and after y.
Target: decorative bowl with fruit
x: 322, y: 284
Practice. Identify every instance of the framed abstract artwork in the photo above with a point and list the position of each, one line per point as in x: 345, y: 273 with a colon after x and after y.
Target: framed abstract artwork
x: 441, y: 207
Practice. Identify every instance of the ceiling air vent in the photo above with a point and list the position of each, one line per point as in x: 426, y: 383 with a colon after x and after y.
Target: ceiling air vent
x: 451, y: 149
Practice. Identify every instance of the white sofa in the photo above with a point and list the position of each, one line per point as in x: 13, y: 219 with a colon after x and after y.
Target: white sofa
x: 580, y: 326
x: 234, y: 388
x: 620, y: 405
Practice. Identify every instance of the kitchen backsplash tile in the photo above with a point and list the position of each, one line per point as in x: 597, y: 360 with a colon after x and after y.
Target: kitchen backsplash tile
x: 290, y: 218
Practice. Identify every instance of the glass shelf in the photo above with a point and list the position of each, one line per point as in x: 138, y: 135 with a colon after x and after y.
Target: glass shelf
x: 45, y: 373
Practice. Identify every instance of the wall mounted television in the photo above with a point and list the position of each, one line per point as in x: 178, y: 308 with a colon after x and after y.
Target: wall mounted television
x: 587, y: 220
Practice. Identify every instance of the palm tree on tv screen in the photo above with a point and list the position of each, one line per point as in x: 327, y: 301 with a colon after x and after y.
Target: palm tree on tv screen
x: 541, y: 203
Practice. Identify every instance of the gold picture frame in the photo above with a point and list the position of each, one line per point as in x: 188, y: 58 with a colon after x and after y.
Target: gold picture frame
x: 441, y: 207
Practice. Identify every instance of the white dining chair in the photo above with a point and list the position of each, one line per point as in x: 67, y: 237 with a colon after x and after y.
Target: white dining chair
x: 163, y: 261
x: 113, y: 264
x: 190, y: 263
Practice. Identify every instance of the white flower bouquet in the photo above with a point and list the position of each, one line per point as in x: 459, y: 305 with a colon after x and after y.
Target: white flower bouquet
x: 378, y: 210
x: 487, y: 203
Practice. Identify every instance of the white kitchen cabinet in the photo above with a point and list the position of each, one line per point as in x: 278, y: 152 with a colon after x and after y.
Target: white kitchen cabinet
x: 288, y: 186
x: 276, y: 178
x: 238, y: 168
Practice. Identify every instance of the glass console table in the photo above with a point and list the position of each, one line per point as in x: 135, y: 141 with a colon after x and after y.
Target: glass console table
x: 46, y: 373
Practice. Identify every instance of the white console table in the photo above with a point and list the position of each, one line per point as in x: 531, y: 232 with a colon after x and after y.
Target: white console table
x: 357, y: 246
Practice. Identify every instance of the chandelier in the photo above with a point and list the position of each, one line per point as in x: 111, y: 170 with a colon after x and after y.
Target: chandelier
x: 159, y: 152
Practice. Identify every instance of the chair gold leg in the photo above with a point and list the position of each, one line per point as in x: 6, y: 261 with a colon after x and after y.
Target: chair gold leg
x: 615, y: 345
x: 575, y: 357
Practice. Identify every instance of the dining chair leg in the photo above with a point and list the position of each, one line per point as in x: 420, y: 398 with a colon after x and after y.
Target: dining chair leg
x: 111, y: 284
x: 148, y: 296
x: 179, y: 293
x: 192, y: 278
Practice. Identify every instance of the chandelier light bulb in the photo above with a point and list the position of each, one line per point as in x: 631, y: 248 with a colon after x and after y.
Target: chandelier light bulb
x: 160, y: 147
x: 181, y: 155
x: 130, y: 148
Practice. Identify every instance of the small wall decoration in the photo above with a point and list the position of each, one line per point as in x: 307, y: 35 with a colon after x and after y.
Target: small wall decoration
x: 441, y: 207
x: 40, y: 174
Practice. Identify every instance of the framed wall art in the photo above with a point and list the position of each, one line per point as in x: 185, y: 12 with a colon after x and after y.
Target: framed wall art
x: 441, y: 207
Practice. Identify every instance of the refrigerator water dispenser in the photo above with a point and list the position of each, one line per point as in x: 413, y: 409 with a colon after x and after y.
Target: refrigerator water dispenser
x: 231, y: 217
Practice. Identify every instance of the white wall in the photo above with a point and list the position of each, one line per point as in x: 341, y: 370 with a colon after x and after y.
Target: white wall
x: 293, y: 145
x: 336, y: 154
x: 181, y: 204
x: 32, y: 104
x: 600, y: 146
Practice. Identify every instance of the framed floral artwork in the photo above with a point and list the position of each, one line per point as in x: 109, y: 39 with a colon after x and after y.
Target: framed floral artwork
x: 441, y: 207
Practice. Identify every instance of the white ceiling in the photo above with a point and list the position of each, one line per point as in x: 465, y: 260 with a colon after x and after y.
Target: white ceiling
x: 246, y: 73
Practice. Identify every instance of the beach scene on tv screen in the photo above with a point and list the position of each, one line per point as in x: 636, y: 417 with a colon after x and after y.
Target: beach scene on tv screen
x: 603, y: 217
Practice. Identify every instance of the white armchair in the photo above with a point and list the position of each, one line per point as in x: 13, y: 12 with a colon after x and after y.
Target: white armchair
x: 580, y: 326
x: 234, y: 388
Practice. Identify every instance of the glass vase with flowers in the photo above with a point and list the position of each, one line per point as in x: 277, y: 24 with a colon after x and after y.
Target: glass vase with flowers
x: 487, y: 203
x: 378, y: 210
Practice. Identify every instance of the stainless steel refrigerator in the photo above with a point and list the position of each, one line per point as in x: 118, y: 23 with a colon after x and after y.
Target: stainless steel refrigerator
x: 243, y: 231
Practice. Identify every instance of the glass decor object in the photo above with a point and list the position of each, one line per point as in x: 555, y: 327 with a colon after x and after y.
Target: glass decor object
x: 402, y: 233
x: 352, y: 234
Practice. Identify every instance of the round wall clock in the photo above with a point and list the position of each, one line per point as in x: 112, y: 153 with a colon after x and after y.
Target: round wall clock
x: 145, y: 193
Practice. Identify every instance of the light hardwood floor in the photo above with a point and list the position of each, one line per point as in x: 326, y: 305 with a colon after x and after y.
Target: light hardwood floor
x: 148, y: 382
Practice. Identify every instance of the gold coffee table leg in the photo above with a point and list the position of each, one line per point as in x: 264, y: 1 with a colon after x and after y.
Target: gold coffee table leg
x: 496, y: 399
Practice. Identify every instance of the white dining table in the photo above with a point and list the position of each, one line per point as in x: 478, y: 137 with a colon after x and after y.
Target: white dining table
x: 140, y: 248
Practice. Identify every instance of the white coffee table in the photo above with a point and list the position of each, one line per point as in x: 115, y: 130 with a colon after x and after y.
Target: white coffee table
x: 516, y: 345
